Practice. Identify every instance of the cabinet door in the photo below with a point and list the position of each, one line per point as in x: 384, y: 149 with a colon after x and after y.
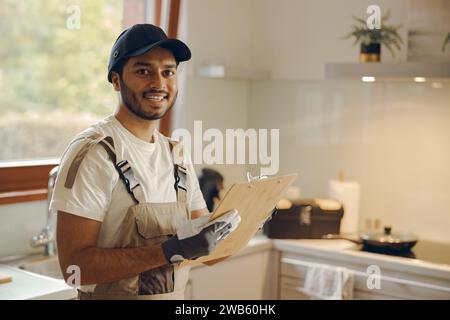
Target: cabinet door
x: 393, y: 284
x: 252, y: 276
x: 399, y: 287
x: 188, y: 291
x: 291, y: 289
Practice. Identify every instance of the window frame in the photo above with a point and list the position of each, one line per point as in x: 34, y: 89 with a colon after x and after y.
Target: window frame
x: 23, y: 181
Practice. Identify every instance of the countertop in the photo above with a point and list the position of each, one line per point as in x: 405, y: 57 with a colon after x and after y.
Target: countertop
x: 349, y: 252
x: 30, y: 286
x: 27, y: 285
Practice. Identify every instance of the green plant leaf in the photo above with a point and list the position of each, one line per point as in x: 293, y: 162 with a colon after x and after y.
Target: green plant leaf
x: 362, y: 21
x: 388, y: 34
x: 446, y: 41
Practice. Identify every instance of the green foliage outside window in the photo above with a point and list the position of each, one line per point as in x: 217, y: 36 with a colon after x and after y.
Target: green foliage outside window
x: 51, y: 72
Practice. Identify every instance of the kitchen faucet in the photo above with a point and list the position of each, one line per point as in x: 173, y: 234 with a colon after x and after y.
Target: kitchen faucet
x: 47, y: 236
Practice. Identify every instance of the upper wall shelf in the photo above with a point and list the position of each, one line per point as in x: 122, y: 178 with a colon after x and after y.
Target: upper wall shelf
x: 393, y: 71
x: 223, y: 72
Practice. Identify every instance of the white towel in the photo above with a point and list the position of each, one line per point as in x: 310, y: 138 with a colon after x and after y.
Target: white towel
x: 328, y: 282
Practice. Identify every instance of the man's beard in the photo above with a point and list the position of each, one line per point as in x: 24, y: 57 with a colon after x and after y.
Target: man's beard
x: 131, y: 102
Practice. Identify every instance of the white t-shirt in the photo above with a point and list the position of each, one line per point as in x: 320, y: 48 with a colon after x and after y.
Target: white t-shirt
x: 99, y: 194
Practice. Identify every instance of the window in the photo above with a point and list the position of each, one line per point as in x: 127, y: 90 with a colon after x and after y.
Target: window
x: 53, y: 62
x: 53, y: 65
x: 53, y: 79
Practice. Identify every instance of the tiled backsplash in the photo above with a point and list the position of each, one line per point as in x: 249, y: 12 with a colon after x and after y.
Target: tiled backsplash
x: 391, y: 137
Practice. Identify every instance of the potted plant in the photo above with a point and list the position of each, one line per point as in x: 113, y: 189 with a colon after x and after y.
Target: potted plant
x: 446, y: 41
x: 372, y: 39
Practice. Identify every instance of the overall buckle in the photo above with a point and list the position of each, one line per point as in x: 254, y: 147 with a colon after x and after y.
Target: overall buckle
x: 127, y: 175
x: 180, y: 177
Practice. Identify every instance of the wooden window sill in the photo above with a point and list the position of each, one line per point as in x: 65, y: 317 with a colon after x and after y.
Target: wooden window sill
x: 22, y: 196
x: 25, y: 180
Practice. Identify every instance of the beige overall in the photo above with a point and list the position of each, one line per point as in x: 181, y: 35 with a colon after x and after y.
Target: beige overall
x: 144, y: 224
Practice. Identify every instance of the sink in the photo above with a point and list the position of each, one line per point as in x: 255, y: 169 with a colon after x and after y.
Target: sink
x: 39, y: 264
x: 48, y: 266
x: 35, y: 276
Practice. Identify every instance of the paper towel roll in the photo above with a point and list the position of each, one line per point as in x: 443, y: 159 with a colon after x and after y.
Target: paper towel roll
x: 347, y: 193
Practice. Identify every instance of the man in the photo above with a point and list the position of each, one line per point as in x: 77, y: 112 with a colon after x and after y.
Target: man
x: 128, y: 201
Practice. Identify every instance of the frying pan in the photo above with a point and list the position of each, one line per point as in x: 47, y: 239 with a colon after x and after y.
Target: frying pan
x: 381, y: 242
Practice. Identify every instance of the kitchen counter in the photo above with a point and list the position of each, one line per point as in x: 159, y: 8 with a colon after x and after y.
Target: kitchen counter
x: 376, y: 276
x: 28, y: 285
x: 282, y: 266
x: 31, y: 286
x: 348, y: 252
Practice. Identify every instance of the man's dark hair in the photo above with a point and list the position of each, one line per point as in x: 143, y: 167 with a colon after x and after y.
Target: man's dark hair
x: 118, y: 68
x: 210, y: 182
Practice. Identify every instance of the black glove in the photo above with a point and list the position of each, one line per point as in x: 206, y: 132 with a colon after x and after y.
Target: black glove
x: 198, y: 237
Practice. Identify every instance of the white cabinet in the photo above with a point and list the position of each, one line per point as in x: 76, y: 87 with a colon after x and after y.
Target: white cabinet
x: 276, y: 269
x: 290, y: 289
x: 393, y: 284
x: 245, y: 276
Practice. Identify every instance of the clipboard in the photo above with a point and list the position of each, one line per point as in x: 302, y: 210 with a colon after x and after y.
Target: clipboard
x: 255, y: 201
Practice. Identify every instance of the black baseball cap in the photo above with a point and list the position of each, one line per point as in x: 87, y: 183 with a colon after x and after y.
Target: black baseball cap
x: 141, y: 38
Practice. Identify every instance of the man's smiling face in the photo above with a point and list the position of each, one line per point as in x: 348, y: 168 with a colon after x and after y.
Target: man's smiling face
x: 148, y: 85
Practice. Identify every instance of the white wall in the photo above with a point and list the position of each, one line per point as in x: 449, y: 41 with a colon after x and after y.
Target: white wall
x: 219, y: 104
x: 392, y: 138
x: 217, y: 32
x: 429, y: 22
x: 19, y: 223
x: 296, y: 37
x: 220, y: 31
x: 290, y: 38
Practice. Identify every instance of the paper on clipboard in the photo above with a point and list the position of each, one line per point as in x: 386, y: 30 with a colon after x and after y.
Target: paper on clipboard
x: 255, y: 201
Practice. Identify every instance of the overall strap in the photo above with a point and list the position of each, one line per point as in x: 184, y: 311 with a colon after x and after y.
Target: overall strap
x: 92, y: 140
x: 125, y: 172
x: 180, y: 170
x: 123, y: 168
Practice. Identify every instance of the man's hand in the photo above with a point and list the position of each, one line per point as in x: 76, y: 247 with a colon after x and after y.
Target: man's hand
x: 198, y: 237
